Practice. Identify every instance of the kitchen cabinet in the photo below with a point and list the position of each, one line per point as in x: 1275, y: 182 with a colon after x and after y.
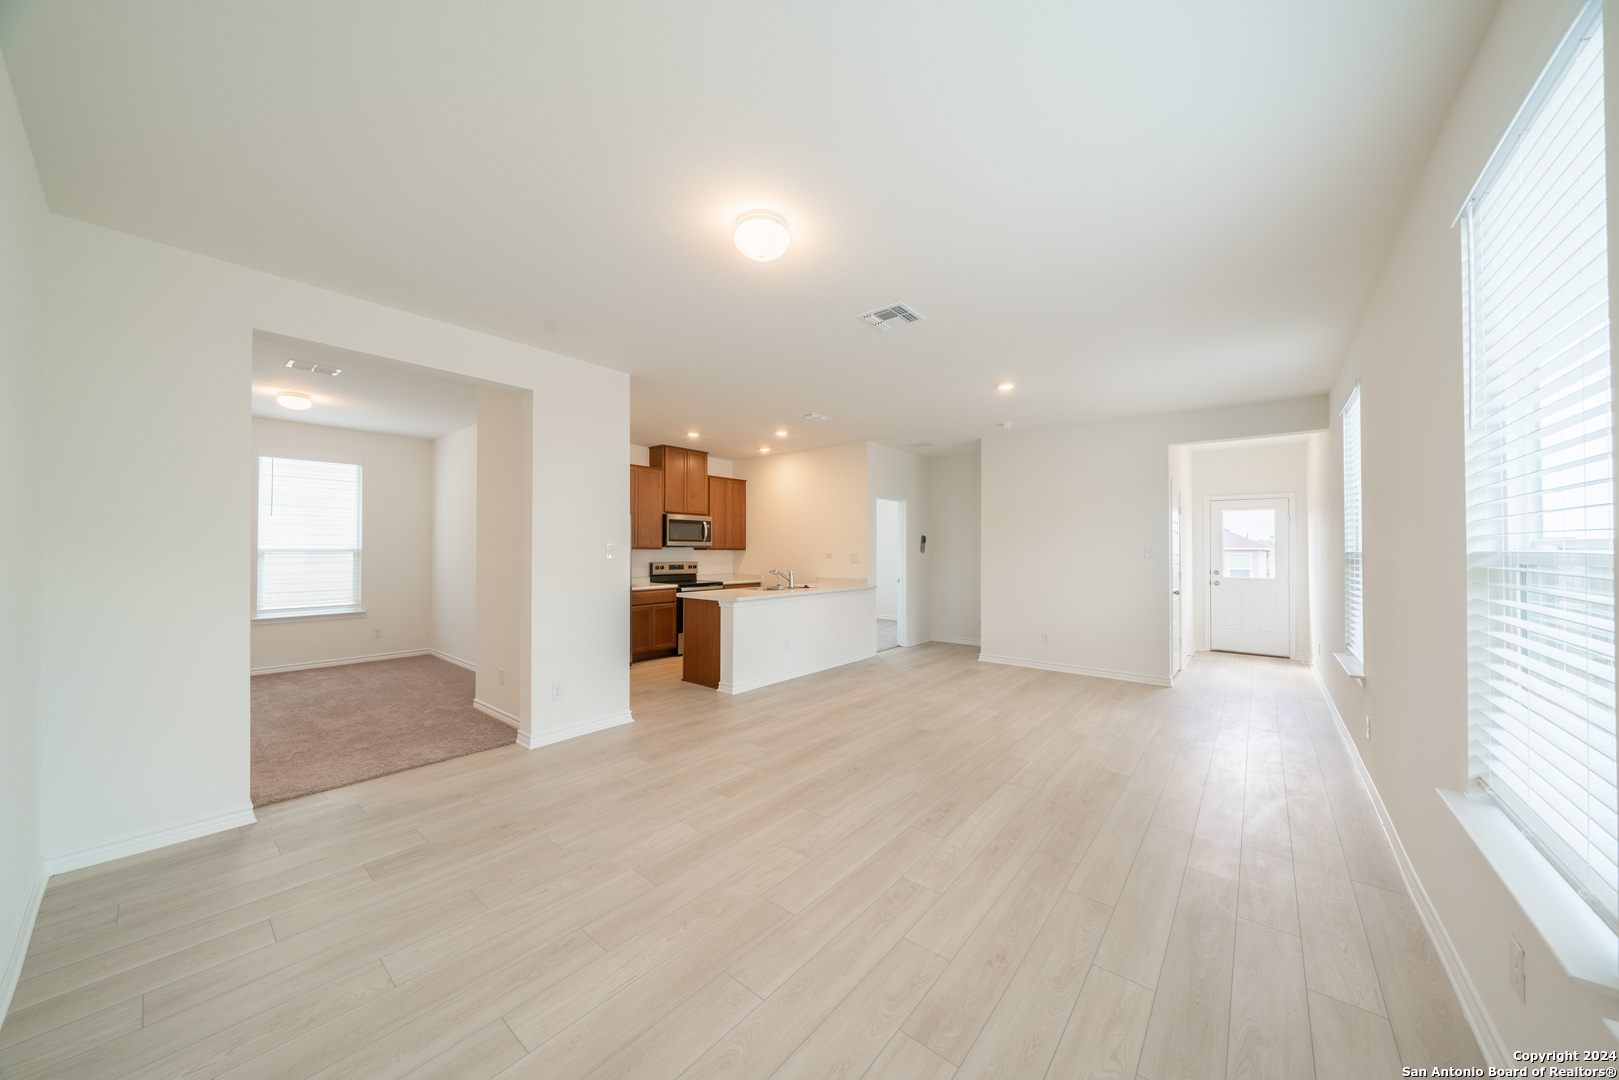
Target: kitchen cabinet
x: 728, y: 506
x: 652, y: 623
x: 646, y: 507
x: 685, y: 478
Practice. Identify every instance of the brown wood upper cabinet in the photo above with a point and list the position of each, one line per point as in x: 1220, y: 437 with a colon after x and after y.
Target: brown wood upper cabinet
x: 728, y: 506
x: 685, y: 478
x: 646, y: 507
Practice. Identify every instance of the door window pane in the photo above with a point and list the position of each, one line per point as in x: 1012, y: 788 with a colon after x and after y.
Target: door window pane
x: 1249, y: 543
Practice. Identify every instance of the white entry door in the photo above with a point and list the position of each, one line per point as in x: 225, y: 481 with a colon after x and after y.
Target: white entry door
x: 1249, y: 609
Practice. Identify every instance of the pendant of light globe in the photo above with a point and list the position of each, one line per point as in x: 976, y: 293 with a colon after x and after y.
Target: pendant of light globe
x: 761, y: 235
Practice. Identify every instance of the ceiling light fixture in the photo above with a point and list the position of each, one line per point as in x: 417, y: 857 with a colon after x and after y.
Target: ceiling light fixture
x: 814, y: 416
x: 692, y: 435
x: 1006, y: 386
x: 764, y: 449
x: 289, y: 400
x: 761, y: 235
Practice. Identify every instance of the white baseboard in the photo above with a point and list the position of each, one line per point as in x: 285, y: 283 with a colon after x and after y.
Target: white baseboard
x: 948, y: 640
x: 499, y: 714
x: 12, y: 971
x: 796, y: 673
x: 60, y: 862
x: 1074, y: 669
x: 456, y: 660
x: 538, y: 739
x: 1472, y: 1002
x: 347, y: 660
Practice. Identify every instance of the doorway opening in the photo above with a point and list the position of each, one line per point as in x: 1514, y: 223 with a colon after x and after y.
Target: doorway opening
x: 888, y: 572
x: 389, y: 569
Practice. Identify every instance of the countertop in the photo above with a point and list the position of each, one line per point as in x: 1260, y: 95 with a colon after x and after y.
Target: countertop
x: 733, y: 596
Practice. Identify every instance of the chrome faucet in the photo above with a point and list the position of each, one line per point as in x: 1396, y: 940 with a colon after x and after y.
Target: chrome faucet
x: 787, y: 577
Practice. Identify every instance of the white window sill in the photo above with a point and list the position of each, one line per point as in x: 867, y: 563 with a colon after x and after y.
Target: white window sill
x: 306, y: 616
x: 1581, y: 941
x: 1351, y: 664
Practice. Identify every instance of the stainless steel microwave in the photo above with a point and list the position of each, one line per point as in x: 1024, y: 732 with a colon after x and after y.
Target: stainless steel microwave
x: 688, y: 530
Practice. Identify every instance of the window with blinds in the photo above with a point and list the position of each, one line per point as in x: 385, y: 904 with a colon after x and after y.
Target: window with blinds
x: 1352, y: 611
x: 1539, y: 474
x: 309, y: 537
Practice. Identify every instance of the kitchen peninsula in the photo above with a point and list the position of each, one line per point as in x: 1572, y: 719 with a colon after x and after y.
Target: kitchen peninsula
x: 742, y: 639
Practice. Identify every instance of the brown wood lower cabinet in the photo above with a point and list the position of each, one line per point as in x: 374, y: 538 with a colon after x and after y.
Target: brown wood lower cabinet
x: 652, y: 623
x: 701, y: 664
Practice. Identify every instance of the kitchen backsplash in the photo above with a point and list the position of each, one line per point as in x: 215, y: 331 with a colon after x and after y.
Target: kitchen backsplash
x: 719, y: 564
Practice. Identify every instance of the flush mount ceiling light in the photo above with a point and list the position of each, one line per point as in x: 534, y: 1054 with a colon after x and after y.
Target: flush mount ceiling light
x: 781, y: 434
x: 1006, y: 386
x: 289, y: 400
x: 813, y: 416
x: 764, y: 449
x: 692, y: 435
x: 761, y: 235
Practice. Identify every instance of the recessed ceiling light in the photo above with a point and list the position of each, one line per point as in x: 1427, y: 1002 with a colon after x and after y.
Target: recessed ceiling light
x: 1006, y: 425
x: 1006, y: 386
x: 764, y: 449
x: 692, y: 434
x: 780, y: 434
x: 289, y: 400
x: 813, y: 416
x: 761, y: 235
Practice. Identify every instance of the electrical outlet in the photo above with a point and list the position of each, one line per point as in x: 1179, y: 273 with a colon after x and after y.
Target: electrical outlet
x: 376, y: 631
x: 1045, y: 639
x: 556, y: 691
x: 609, y: 551
x: 1146, y: 552
x: 1515, y: 968
x: 500, y: 675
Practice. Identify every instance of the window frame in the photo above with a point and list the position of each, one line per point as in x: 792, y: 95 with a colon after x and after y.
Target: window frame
x: 356, y: 609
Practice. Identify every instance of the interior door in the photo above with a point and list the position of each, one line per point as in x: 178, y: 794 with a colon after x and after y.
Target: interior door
x: 1175, y: 578
x: 1249, y: 608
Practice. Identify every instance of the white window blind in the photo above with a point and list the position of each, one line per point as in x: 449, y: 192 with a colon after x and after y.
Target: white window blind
x: 1352, y: 607
x: 309, y: 537
x: 1539, y: 474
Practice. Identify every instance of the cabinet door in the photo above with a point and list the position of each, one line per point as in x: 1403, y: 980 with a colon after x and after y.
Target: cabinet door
x: 696, y: 482
x: 674, y: 480
x: 663, y: 626
x: 736, y: 514
x: 641, y: 623
x: 718, y: 504
x: 646, y: 507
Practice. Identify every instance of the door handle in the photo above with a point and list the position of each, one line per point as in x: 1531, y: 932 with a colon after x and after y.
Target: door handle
x: 1216, y: 584
x: 1177, y: 592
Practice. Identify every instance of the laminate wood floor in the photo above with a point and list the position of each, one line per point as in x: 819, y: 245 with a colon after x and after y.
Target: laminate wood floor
x: 919, y: 866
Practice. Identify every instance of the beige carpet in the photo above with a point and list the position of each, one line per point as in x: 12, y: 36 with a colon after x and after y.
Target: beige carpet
x: 326, y: 727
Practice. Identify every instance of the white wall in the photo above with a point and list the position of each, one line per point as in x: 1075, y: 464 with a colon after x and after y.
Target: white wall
x: 807, y: 512
x: 1407, y: 357
x: 1270, y: 469
x: 149, y: 352
x: 899, y: 475
x: 455, y: 545
x: 1067, y: 514
x: 22, y: 266
x: 503, y: 544
x: 396, y: 534
x: 955, y: 547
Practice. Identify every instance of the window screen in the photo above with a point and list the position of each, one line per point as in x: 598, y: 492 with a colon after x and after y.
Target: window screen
x: 309, y: 537
x: 1539, y: 473
x: 1352, y: 583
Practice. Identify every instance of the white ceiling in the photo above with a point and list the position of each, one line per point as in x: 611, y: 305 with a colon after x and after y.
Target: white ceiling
x: 371, y: 394
x: 1125, y: 207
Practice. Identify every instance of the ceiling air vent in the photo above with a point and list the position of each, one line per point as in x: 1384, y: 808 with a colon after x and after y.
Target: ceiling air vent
x: 885, y: 318
x: 313, y: 369
x: 920, y: 445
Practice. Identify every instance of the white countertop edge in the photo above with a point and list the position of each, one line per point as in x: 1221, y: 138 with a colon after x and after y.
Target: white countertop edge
x: 733, y: 596
x: 1579, y: 939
